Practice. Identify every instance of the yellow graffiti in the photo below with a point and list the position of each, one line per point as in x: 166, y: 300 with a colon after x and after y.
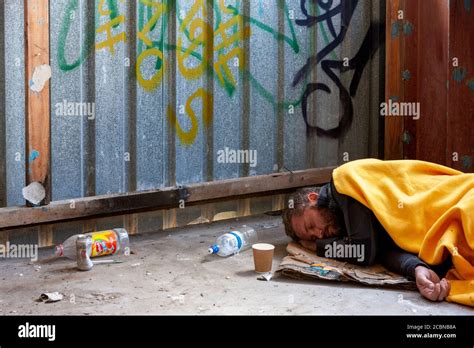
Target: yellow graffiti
x: 160, y: 8
x: 111, y: 40
x: 226, y: 37
x: 188, y: 137
x: 224, y: 8
x: 221, y: 66
x: 198, y: 35
x: 207, y: 105
x: 219, y: 50
x: 155, y: 80
x: 101, y: 10
x: 224, y: 44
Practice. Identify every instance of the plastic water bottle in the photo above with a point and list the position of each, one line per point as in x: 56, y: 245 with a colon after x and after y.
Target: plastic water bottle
x: 234, y: 242
x: 108, y: 242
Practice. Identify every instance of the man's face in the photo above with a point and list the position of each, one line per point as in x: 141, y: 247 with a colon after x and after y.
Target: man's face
x: 310, y: 225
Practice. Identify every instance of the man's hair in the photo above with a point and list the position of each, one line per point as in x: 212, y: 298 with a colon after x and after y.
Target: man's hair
x: 301, y: 202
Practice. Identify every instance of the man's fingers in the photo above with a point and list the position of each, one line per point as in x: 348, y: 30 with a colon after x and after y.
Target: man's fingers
x: 422, y: 280
x: 434, y: 277
x: 445, y: 287
x: 437, y: 290
x: 432, y: 294
x: 431, y: 286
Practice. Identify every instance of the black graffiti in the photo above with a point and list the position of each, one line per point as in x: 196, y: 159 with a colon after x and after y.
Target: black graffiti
x: 327, y: 16
x: 369, y: 47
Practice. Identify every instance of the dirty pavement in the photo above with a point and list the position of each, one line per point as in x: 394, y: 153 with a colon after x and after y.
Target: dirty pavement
x: 170, y: 272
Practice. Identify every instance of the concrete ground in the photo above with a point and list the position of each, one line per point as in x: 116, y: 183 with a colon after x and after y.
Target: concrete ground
x: 171, y: 273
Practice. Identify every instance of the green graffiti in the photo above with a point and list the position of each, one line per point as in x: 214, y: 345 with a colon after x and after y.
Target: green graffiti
x: 291, y: 41
x: 87, y: 46
x: 114, y: 11
x: 145, y: 15
x: 89, y: 39
x: 141, y: 24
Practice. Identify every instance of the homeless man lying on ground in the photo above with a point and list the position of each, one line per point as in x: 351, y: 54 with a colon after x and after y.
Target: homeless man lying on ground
x: 414, y: 217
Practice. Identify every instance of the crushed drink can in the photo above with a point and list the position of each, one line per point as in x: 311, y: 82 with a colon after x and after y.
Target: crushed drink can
x: 84, y: 251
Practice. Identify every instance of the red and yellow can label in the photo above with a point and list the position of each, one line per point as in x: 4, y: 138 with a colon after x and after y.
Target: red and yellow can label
x: 104, y: 243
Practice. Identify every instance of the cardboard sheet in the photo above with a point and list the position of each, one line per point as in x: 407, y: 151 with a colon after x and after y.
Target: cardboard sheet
x: 302, y: 263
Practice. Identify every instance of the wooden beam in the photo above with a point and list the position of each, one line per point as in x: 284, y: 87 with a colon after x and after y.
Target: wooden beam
x: 45, y: 236
x: 130, y: 223
x: 168, y: 198
x: 208, y: 211
x: 4, y: 237
x: 37, y: 96
x: 89, y: 225
x: 393, y: 87
x: 170, y: 218
x: 278, y: 202
x: 244, y: 207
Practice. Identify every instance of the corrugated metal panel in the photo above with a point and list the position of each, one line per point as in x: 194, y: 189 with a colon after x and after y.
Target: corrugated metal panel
x: 327, y: 113
x: 68, y: 20
x: 14, y: 155
x: 227, y: 110
x: 263, y: 118
x: 151, y: 120
x: 145, y: 94
x: 3, y: 143
x: 297, y: 51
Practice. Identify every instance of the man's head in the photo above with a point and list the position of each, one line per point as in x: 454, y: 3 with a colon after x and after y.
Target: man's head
x: 306, y: 221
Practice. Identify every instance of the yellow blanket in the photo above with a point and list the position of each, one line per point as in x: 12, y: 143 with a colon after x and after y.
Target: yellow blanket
x: 426, y: 208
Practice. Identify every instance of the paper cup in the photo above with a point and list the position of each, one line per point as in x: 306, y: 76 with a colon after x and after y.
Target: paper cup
x: 263, y: 257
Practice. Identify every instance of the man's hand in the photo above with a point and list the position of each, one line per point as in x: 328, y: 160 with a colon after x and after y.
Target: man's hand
x: 429, y: 284
x: 311, y: 245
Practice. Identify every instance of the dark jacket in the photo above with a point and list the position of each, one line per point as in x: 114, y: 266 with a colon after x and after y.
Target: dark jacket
x: 361, y: 231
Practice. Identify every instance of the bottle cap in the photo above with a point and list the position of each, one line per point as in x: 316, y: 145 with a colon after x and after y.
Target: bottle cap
x: 59, y: 250
x: 213, y: 249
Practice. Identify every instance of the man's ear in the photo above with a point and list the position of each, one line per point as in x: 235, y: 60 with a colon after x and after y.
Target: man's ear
x: 313, y: 197
x: 334, y: 231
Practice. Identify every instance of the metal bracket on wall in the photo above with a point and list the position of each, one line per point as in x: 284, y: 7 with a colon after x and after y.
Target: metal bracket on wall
x: 183, y: 193
x: 406, y: 137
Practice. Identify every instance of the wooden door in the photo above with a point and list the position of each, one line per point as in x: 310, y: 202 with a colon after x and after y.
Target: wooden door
x: 430, y: 61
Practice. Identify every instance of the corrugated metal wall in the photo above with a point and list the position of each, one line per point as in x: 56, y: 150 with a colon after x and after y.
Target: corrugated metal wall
x: 144, y: 94
x: 12, y: 114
